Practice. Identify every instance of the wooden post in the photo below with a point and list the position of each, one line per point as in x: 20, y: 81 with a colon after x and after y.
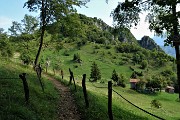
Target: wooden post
x: 25, y: 84
x: 38, y: 72
x: 84, y: 90
x: 110, y: 100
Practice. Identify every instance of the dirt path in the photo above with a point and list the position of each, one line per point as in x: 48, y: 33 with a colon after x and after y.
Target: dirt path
x: 67, y: 109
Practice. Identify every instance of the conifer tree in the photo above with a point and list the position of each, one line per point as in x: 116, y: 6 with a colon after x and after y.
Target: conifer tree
x: 114, y: 76
x: 95, y: 72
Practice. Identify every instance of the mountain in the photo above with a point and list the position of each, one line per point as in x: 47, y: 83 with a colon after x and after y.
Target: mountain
x: 149, y: 43
x: 169, y: 50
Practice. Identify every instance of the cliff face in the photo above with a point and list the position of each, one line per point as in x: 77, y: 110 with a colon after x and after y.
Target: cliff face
x: 148, y: 43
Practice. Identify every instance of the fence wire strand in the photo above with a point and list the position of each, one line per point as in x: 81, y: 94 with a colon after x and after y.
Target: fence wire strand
x: 138, y: 107
x: 97, y: 86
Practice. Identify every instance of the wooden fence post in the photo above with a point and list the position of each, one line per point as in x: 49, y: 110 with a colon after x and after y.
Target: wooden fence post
x: 110, y: 100
x: 25, y: 84
x: 84, y: 90
x: 38, y: 72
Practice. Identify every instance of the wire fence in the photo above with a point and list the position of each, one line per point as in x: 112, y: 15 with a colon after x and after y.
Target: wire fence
x: 98, y: 86
x: 137, y: 106
x: 130, y: 102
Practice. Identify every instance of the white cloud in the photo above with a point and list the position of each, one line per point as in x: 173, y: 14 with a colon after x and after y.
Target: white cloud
x: 142, y: 28
x: 5, y: 22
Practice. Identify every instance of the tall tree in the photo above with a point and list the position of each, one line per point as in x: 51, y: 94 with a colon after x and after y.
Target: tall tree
x: 162, y: 16
x: 15, y: 29
x: 50, y: 11
x: 29, y: 24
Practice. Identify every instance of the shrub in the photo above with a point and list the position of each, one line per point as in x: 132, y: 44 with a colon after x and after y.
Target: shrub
x: 26, y: 57
x: 144, y: 64
x: 108, y: 47
x: 59, y: 46
x: 77, y: 58
x: 97, y: 47
x: 66, y: 53
x: 156, y: 104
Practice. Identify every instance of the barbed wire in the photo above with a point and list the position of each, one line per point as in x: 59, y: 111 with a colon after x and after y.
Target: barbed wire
x: 138, y: 107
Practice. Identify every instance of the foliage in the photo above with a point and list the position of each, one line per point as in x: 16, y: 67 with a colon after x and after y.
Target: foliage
x: 5, y: 46
x: 121, y: 81
x: 127, y: 48
x: 77, y: 58
x: 140, y: 85
x: 26, y: 57
x: 155, y: 103
x: 95, y: 72
x: 114, y: 76
x: 144, y: 64
x: 162, y: 17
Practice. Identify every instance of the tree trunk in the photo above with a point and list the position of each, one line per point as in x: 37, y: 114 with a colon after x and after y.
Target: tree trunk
x: 175, y: 30
x: 43, y: 28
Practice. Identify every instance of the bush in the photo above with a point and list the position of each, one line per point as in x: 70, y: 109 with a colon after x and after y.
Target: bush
x: 66, y: 53
x: 77, y: 58
x: 81, y: 42
x: 59, y: 46
x: 144, y: 64
x: 26, y: 57
x: 97, y: 47
x: 156, y: 104
x: 108, y: 47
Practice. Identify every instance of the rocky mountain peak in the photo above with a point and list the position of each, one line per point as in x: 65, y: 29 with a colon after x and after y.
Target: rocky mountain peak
x: 149, y: 43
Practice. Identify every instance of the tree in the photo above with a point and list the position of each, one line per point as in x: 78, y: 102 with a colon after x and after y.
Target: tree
x: 162, y: 15
x: 50, y: 11
x: 114, y: 76
x: 29, y: 24
x: 121, y: 80
x: 5, y: 47
x: 95, y: 72
x: 15, y: 29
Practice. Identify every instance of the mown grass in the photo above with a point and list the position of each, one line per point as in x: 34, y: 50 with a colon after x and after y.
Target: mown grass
x: 41, y: 106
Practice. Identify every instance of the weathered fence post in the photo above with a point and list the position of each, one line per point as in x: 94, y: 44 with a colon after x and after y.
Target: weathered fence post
x: 84, y: 90
x: 25, y: 84
x: 62, y: 74
x: 72, y: 78
x: 110, y: 100
x: 38, y: 72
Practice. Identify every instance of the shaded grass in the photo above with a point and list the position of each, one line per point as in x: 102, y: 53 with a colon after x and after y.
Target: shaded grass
x: 42, y: 106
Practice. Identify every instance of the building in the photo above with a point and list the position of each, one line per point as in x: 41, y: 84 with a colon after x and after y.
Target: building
x: 169, y: 89
x: 133, y: 83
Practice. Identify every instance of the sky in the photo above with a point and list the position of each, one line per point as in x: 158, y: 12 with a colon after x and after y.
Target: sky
x: 12, y: 10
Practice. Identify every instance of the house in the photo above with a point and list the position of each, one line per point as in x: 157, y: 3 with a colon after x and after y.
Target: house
x: 169, y: 89
x: 133, y: 83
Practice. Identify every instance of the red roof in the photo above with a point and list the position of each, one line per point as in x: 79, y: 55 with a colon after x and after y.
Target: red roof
x: 134, y: 80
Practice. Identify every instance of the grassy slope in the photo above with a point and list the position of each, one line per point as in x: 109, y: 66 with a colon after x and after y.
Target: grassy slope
x: 42, y: 106
x: 98, y: 97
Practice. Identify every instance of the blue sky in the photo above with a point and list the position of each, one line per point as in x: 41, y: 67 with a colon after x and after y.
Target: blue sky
x: 12, y: 10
